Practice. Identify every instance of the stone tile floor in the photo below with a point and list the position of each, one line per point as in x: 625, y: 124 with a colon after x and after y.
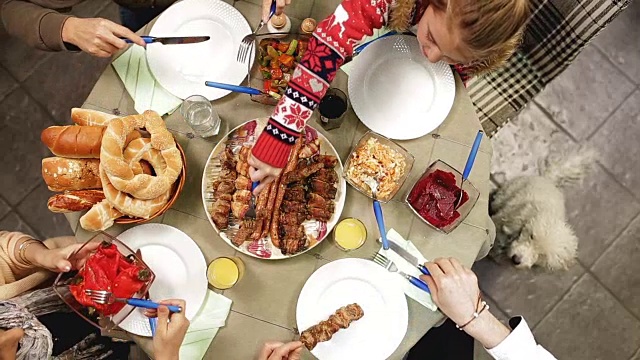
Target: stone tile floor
x: 592, y: 311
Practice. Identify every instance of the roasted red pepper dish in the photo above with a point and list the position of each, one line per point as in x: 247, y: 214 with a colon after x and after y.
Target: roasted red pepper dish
x: 107, y: 269
x: 434, y: 198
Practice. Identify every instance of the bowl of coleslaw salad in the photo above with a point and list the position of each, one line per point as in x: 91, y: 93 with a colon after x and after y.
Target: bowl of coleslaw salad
x: 380, y: 158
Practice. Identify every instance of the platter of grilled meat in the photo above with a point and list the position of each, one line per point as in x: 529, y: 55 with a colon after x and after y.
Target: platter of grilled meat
x: 293, y: 214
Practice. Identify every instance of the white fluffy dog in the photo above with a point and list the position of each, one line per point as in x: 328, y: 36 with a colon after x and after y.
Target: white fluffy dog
x: 530, y: 219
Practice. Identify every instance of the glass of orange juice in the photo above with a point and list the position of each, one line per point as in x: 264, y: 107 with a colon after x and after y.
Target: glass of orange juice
x: 350, y: 234
x: 224, y: 272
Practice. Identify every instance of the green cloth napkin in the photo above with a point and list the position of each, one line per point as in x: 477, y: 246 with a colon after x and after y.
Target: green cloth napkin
x: 205, y: 325
x: 146, y: 92
x: 409, y: 289
x: 376, y: 34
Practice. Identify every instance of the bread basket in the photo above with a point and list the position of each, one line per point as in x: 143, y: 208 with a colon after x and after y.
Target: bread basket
x: 176, y: 189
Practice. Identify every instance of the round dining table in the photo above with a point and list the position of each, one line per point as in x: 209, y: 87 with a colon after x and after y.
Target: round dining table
x: 264, y: 301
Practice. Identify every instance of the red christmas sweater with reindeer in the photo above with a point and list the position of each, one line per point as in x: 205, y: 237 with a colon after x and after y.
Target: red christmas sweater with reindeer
x: 332, y: 43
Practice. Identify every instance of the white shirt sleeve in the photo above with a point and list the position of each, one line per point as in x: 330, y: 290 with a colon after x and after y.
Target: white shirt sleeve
x: 520, y: 344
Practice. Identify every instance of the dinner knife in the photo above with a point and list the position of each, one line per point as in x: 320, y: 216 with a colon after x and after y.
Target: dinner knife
x: 178, y: 40
x: 407, y: 256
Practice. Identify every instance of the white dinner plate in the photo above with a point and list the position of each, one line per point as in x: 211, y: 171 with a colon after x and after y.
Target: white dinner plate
x: 183, y: 69
x: 179, y: 266
x: 378, y: 333
x: 397, y: 92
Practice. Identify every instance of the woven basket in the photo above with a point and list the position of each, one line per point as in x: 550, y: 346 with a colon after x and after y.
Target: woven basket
x: 177, y: 189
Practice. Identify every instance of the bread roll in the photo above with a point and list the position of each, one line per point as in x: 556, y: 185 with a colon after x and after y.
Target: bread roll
x: 61, y: 174
x: 89, y: 117
x: 77, y: 200
x: 100, y: 217
x: 74, y: 141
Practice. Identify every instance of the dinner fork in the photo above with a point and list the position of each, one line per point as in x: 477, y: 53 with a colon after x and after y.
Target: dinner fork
x: 391, y: 267
x: 251, y: 213
x: 248, y: 41
x: 107, y: 298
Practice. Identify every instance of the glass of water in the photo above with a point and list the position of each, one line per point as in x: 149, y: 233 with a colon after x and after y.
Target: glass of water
x: 198, y: 112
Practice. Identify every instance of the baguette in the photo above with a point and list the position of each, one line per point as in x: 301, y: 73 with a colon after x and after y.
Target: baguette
x: 74, y: 141
x: 61, y: 174
x: 77, y: 200
x: 88, y: 117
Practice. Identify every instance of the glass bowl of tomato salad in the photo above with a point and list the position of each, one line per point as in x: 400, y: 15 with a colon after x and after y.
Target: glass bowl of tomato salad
x: 433, y: 198
x: 104, y: 263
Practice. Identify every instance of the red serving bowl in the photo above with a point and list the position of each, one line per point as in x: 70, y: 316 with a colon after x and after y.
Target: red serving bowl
x: 62, y: 282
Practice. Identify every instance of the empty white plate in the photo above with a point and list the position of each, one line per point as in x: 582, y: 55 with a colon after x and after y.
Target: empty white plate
x: 378, y: 333
x: 397, y: 92
x: 179, y: 266
x: 183, y: 69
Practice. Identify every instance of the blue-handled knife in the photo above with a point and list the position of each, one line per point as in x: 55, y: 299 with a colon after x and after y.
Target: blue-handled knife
x: 176, y: 40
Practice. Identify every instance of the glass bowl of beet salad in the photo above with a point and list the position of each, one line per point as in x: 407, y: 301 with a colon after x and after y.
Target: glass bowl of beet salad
x: 435, y: 195
x: 104, y: 263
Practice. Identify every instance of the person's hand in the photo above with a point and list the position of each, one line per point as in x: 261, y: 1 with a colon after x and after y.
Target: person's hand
x: 96, y: 36
x: 9, y: 341
x: 275, y: 350
x: 454, y: 288
x: 58, y: 260
x: 172, y: 327
x: 266, y: 8
x: 262, y: 172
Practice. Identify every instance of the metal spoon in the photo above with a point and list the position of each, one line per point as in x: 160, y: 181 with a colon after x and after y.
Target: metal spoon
x: 468, y: 166
x: 377, y: 209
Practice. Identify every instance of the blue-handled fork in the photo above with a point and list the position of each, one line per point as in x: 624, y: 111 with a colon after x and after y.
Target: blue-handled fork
x: 391, y: 267
x: 107, y: 298
x: 241, y: 89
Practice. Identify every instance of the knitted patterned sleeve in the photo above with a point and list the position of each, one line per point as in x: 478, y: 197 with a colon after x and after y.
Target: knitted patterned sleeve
x: 332, y: 42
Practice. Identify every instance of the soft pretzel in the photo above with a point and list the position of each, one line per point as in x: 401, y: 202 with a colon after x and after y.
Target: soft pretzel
x: 129, y: 205
x: 119, y: 171
x: 102, y: 215
x: 141, y: 149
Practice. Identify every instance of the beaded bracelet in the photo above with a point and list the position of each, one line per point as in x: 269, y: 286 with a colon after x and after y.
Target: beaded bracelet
x: 485, y: 306
x: 23, y: 248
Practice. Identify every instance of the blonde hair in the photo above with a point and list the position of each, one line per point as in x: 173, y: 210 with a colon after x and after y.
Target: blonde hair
x: 491, y: 29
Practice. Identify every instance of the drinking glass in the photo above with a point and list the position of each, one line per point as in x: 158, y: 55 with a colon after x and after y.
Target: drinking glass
x: 332, y: 108
x: 350, y: 234
x: 198, y: 112
x: 224, y: 272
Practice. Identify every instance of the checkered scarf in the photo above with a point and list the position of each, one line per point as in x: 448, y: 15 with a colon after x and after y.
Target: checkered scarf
x: 556, y: 33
